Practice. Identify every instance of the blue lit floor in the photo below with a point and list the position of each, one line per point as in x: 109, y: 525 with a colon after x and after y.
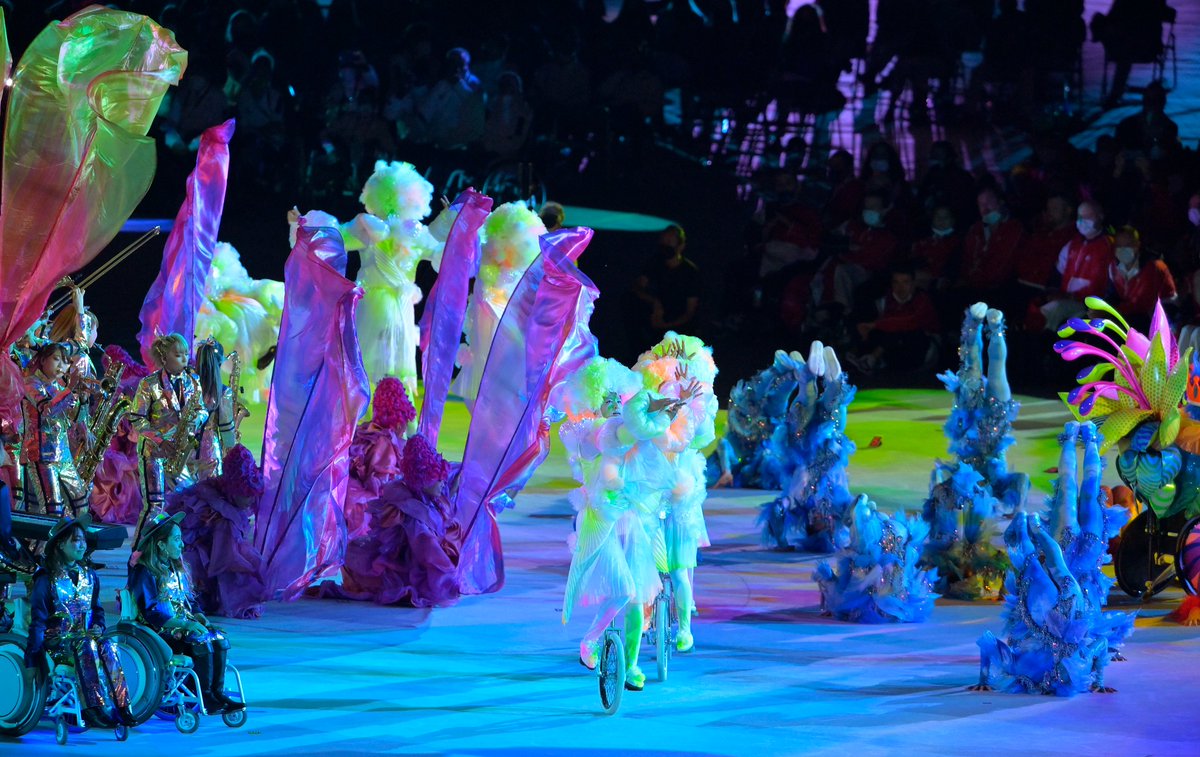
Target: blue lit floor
x: 497, y: 675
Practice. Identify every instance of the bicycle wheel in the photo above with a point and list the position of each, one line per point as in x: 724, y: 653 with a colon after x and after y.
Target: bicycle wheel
x: 662, y: 633
x: 1187, y: 557
x: 612, y: 673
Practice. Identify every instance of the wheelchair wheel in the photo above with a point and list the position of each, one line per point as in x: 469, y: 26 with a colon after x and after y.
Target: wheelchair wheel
x: 1187, y: 557
x: 234, y: 719
x: 187, y: 721
x: 60, y: 730
x: 1138, y: 562
x: 22, y: 699
x: 612, y: 673
x: 145, y: 664
x: 662, y: 633
x: 121, y: 732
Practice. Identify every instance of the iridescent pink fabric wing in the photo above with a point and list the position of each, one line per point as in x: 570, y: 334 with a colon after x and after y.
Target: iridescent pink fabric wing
x: 76, y: 156
x: 442, y: 321
x: 542, y: 336
x: 318, y: 393
x: 176, y: 295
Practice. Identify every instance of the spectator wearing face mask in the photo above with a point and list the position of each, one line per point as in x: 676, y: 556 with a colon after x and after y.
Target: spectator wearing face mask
x: 1186, y: 255
x: 933, y: 254
x: 1082, y: 266
x: 1138, y: 283
x: 989, y: 250
x: 903, y: 330
x: 872, y: 249
x: 1083, y: 263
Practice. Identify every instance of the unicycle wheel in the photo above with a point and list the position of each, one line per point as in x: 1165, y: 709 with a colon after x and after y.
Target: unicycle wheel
x: 612, y: 673
x: 662, y: 632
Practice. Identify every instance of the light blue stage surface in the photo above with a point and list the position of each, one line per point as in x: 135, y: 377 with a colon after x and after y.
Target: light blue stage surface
x: 498, y: 675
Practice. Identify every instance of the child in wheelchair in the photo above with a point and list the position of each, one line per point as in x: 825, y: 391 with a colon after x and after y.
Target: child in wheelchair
x: 161, y: 588
x: 67, y: 622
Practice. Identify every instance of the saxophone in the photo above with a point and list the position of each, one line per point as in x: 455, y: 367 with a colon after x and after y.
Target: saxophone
x: 240, y: 411
x: 184, y: 442
x: 104, y: 424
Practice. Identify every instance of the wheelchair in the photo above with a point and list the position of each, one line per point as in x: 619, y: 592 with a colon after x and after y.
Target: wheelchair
x: 1154, y: 551
x: 25, y: 701
x: 161, y: 682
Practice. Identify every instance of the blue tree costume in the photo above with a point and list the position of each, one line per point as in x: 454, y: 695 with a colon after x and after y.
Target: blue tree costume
x: 811, y: 510
x: 753, y: 453
x: 965, y: 495
x: 876, y: 578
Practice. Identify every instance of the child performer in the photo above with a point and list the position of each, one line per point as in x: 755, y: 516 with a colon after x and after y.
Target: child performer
x: 168, y: 411
x: 49, y: 410
x: 160, y: 585
x: 217, y: 434
x: 67, y: 621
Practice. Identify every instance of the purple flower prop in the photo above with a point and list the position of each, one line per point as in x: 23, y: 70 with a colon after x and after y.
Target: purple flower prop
x: 240, y: 476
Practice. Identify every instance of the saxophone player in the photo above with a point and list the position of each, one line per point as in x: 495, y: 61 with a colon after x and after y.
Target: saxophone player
x: 217, y: 435
x: 50, y: 409
x: 77, y: 327
x: 168, y: 412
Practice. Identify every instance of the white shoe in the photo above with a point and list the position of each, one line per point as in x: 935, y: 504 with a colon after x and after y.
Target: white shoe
x: 833, y: 368
x: 816, y: 359
x: 684, y: 641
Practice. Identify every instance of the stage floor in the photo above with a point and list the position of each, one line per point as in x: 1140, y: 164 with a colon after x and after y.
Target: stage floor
x: 498, y: 675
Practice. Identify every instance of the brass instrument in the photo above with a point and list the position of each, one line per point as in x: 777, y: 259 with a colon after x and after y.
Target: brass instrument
x: 183, y: 443
x: 111, y: 410
x: 240, y: 412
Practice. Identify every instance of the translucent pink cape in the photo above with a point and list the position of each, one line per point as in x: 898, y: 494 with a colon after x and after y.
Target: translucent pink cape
x: 542, y: 337
x: 318, y: 393
x: 76, y: 156
x: 175, y: 296
x: 446, y: 308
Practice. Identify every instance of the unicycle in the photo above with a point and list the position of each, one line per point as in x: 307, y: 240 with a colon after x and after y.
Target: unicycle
x: 664, y: 623
x: 611, y: 669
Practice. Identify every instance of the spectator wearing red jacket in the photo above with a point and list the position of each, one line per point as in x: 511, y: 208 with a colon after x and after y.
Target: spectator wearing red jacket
x: 990, y: 247
x: 933, y: 255
x: 989, y: 253
x: 1083, y: 267
x: 871, y: 252
x: 902, y: 334
x: 1083, y: 263
x: 1139, y: 284
x: 1037, y: 259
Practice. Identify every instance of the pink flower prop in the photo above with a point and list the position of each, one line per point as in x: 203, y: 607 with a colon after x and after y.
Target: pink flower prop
x: 422, y: 466
x: 391, y: 405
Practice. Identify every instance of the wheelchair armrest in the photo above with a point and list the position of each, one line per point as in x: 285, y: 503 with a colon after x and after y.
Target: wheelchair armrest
x: 128, y: 606
x: 20, y: 611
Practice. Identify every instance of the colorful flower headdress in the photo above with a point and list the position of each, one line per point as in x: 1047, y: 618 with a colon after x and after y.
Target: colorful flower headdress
x: 1141, y: 378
